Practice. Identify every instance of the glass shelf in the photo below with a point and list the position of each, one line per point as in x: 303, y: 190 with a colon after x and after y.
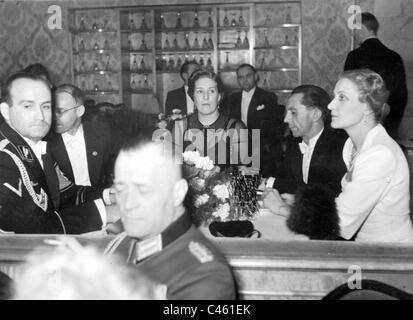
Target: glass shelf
x: 144, y: 71
x: 101, y: 92
x: 244, y: 28
x: 274, y: 47
x: 278, y: 69
x: 99, y: 30
x: 234, y: 49
x: 138, y: 91
x: 78, y: 73
x: 95, y: 51
x: 128, y: 51
x: 167, y: 71
x: 183, y: 51
x: 285, y: 25
x: 186, y: 29
x: 136, y: 30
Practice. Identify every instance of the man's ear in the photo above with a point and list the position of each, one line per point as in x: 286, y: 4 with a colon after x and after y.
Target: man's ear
x: 180, y: 190
x: 5, y: 112
x: 317, y: 114
x: 80, y: 111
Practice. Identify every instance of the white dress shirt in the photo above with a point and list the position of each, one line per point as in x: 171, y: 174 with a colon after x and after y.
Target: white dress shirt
x: 189, y: 102
x: 245, y: 102
x: 307, y: 151
x: 76, y: 150
x: 39, y: 148
x: 375, y: 194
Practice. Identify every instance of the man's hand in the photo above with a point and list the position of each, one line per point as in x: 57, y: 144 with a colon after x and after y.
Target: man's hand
x: 273, y: 201
x: 115, y: 228
x: 288, y: 198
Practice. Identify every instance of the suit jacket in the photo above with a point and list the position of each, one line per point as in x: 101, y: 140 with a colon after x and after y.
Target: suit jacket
x: 189, y: 265
x: 100, y: 156
x: 30, y: 195
x: 326, y: 167
x: 265, y: 114
x: 176, y: 99
x: 376, y: 56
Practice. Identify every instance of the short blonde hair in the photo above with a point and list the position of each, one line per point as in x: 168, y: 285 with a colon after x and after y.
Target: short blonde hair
x: 80, y: 273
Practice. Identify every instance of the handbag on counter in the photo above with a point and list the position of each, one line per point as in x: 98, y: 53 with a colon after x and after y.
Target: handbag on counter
x: 238, y: 228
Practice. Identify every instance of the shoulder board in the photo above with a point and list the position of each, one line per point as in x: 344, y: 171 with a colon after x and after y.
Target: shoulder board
x: 201, y: 252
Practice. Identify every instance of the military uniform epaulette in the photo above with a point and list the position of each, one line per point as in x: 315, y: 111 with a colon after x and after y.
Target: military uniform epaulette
x: 200, y: 252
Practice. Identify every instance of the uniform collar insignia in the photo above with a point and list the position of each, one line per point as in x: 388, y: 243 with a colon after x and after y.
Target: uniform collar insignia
x: 201, y: 252
x: 139, y: 250
x: 25, y: 153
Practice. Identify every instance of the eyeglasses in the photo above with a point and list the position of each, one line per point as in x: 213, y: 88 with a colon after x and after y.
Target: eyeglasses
x: 60, y: 112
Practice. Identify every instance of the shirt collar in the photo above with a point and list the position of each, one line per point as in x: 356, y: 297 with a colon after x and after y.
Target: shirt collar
x: 249, y: 93
x: 39, y: 148
x: 78, y: 134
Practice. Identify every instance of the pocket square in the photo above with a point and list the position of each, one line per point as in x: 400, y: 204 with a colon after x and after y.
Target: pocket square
x: 260, y: 107
x: 176, y: 110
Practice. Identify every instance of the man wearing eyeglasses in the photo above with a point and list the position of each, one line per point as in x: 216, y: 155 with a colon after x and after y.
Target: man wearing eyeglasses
x: 34, y: 196
x: 81, y: 149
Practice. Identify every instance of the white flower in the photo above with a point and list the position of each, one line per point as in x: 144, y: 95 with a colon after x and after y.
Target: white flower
x: 221, y: 191
x: 204, y: 163
x: 191, y: 157
x: 199, y: 183
x: 222, y: 212
x: 200, y: 200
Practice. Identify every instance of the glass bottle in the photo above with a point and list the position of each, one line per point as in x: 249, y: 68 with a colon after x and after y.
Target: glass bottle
x: 110, y: 86
x: 266, y: 41
x: 108, y: 63
x: 287, y: 41
x: 96, y: 45
x: 171, y: 62
x: 262, y: 63
x: 132, y: 24
x: 142, y: 64
x: 134, y: 64
x: 226, y: 20
x: 201, y: 60
x: 238, y: 44
x: 143, y: 22
x: 162, y: 22
x: 187, y: 46
x: 166, y: 45
x: 164, y: 63
x: 95, y: 26
x: 196, y: 20
x: 82, y: 45
x: 82, y: 26
x: 195, y: 45
x: 175, y: 42
x: 210, y: 21
x: 246, y: 43
x: 205, y: 44
x: 210, y: 42
x: 178, y: 20
x: 96, y: 88
x: 145, y: 82
x: 288, y: 16
x: 143, y: 44
x: 234, y: 20
x: 133, y: 83
x: 241, y: 21
x: 179, y: 62
x: 130, y: 46
x: 82, y: 67
x: 209, y: 63
x: 106, y: 23
x: 227, y: 65
x: 186, y: 58
x: 267, y: 19
x: 106, y: 44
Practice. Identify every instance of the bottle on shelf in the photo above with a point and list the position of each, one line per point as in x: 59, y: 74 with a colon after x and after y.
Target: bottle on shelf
x: 178, y: 20
x: 225, y: 22
x: 96, y: 45
x: 241, y: 21
x: 164, y: 63
x: 210, y: 21
x: 178, y: 62
x: 187, y: 45
x: 195, y: 44
x: 296, y: 40
x: 134, y: 67
x: 145, y: 82
x: 132, y: 25
x: 166, y: 45
x: 205, y: 44
x: 130, y: 45
x: 96, y: 88
x: 238, y: 44
x: 234, y: 20
x: 133, y: 82
x: 175, y: 42
x: 246, y: 43
x: 82, y: 45
x: 286, y: 41
x: 82, y: 25
x: 266, y: 41
x: 143, y: 22
x: 106, y: 23
x: 262, y: 60
x: 288, y: 15
x: 209, y: 63
x: 110, y: 86
x: 162, y: 24
x: 186, y: 58
x: 82, y: 67
x: 201, y: 60
x: 210, y: 42
x: 142, y: 64
x: 95, y: 66
x: 227, y: 64
x: 143, y: 45
x: 106, y: 44
x: 95, y: 26
x: 267, y: 19
x: 171, y: 62
x: 108, y: 68
x: 196, y: 20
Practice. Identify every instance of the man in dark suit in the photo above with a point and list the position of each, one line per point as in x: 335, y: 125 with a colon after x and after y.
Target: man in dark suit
x: 258, y: 109
x: 161, y: 240
x: 374, y: 55
x: 81, y: 149
x: 314, y: 153
x: 178, y: 100
x: 34, y: 196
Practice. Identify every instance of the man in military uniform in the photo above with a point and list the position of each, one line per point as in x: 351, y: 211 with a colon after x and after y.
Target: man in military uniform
x: 161, y: 240
x: 33, y: 198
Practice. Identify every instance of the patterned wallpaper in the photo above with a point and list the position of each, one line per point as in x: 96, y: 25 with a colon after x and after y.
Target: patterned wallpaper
x: 25, y: 37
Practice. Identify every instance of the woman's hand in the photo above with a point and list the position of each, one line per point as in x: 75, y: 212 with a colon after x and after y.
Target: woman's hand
x: 274, y: 202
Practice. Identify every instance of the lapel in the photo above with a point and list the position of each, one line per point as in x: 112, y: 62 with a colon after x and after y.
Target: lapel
x: 60, y: 154
x: 253, y: 104
x: 94, y: 152
x: 51, y: 178
x: 297, y: 160
x: 236, y: 105
x: 185, y: 110
x: 318, y: 153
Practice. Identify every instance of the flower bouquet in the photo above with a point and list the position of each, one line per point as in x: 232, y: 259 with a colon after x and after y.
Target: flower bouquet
x: 218, y: 195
